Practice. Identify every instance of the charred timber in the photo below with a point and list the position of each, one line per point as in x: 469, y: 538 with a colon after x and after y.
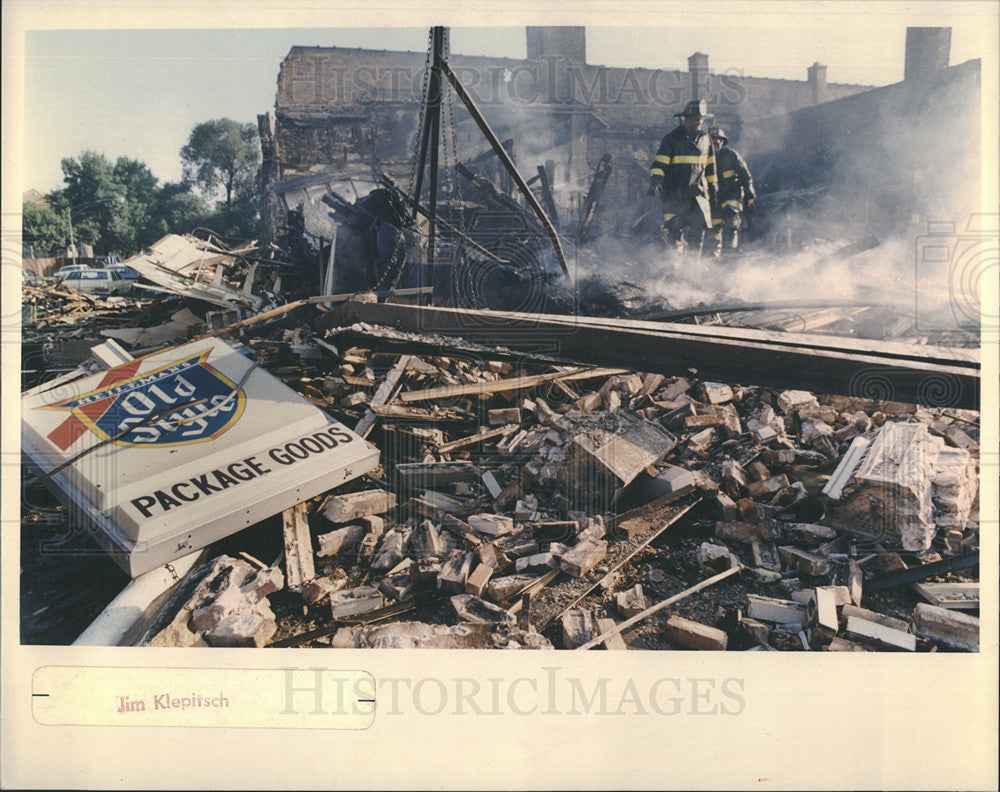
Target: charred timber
x: 880, y: 370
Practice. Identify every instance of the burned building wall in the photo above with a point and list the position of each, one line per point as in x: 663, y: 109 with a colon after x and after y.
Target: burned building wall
x: 903, y: 152
x: 353, y: 110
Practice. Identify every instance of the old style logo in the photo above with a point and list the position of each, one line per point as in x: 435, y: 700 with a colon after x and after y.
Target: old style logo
x: 207, y: 405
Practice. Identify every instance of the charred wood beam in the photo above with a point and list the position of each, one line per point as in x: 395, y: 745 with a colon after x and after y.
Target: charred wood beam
x: 504, y: 157
x: 922, y: 572
x: 434, y: 109
x: 495, y: 198
x: 270, y: 173
x: 597, y: 185
x: 423, y: 211
x: 550, y: 204
x: 781, y: 305
x: 878, y: 370
x: 888, y: 349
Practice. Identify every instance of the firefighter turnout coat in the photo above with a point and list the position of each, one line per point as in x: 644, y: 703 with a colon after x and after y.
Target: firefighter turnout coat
x: 684, y: 169
x: 735, y: 181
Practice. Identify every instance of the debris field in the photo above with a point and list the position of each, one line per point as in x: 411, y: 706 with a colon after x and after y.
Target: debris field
x: 519, y: 503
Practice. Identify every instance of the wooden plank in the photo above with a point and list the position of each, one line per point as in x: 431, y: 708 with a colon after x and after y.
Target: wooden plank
x: 955, y: 596
x: 504, y: 385
x: 615, y: 641
x: 810, y: 340
x: 477, y: 438
x: 660, y: 606
x: 382, y: 395
x: 403, y: 413
x: 956, y: 630
x: 751, y: 357
x: 519, y: 320
x: 532, y: 588
x: 299, y: 565
x: 667, y: 523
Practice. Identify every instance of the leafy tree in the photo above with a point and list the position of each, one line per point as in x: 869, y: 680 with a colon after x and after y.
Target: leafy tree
x: 241, y: 218
x: 113, y: 206
x: 222, y: 154
x: 177, y: 210
x: 104, y: 201
x: 43, y: 228
x: 119, y: 207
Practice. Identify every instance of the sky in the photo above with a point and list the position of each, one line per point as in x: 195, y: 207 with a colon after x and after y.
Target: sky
x: 138, y: 93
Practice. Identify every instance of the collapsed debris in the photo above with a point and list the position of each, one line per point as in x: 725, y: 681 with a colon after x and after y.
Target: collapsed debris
x: 903, y: 484
x: 514, y: 503
x: 507, y: 499
x: 191, y: 267
x: 221, y: 603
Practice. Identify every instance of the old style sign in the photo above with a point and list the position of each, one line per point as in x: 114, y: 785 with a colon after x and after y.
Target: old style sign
x: 177, y: 450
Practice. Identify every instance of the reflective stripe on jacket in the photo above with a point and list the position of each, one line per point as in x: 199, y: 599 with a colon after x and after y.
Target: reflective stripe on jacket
x: 685, y: 167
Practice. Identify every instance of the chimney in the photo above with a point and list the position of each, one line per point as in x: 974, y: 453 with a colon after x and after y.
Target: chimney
x: 817, y: 82
x: 698, y: 67
x: 568, y: 42
x: 561, y: 48
x: 927, y: 50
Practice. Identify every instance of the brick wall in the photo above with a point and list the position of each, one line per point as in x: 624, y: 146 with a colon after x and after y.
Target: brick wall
x: 352, y: 110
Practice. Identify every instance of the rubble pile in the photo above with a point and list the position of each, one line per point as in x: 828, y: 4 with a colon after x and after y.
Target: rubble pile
x: 185, y: 284
x: 521, y: 505
x: 53, y: 308
x: 207, y: 270
x: 228, y: 607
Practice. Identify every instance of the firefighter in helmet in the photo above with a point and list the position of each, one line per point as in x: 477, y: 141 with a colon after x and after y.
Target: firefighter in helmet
x: 684, y: 174
x: 735, y: 194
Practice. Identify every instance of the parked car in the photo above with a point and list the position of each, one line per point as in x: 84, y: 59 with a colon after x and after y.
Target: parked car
x: 71, y: 269
x: 106, y: 261
x: 29, y: 278
x: 126, y: 273
x: 93, y: 281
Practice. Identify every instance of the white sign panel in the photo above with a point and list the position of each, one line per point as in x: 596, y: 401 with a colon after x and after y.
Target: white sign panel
x: 183, y: 448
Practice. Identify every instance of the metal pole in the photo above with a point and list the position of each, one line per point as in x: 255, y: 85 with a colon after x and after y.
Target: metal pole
x: 504, y: 158
x: 434, y: 106
x: 422, y: 155
x: 72, y: 244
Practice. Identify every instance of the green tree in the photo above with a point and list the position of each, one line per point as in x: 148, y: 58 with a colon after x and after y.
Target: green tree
x: 104, y: 202
x: 43, y: 228
x: 178, y: 210
x: 240, y: 220
x: 113, y: 206
x: 222, y: 154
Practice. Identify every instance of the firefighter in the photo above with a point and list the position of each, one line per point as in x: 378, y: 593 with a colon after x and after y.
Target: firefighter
x: 735, y: 194
x: 684, y: 173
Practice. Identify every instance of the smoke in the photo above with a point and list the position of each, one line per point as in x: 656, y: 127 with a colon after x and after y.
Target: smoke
x: 755, y: 277
x: 886, y: 164
x: 899, y: 164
